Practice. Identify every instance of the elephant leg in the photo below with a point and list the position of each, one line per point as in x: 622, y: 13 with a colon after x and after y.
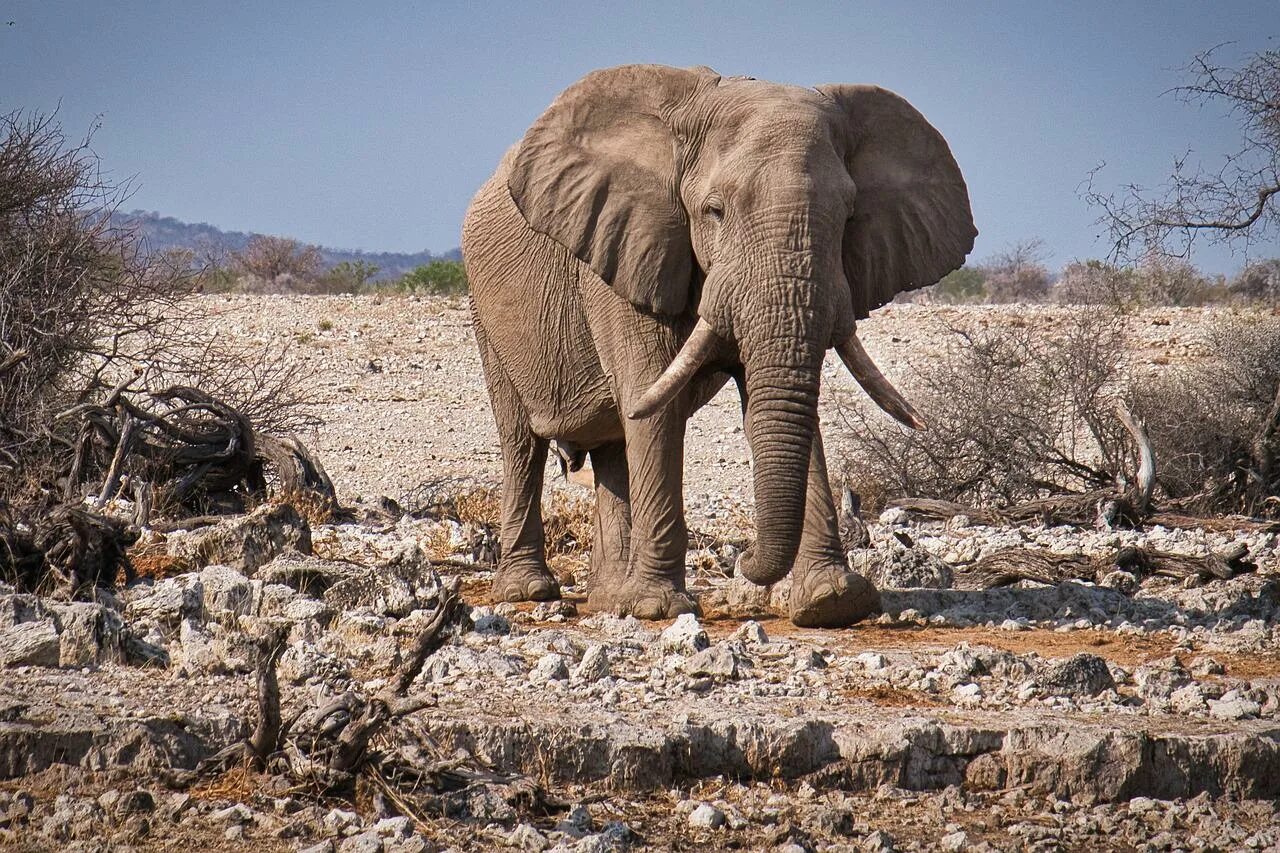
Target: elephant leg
x: 824, y: 592
x: 522, y: 567
x: 611, y: 539
x: 654, y: 587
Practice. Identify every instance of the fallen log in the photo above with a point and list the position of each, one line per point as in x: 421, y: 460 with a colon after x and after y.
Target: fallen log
x: 1078, y: 510
x: 1012, y: 565
x: 199, y: 454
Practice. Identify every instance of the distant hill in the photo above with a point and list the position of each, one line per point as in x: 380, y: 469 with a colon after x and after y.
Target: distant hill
x: 162, y: 233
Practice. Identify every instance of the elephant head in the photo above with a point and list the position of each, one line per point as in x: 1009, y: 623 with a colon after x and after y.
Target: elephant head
x: 782, y: 214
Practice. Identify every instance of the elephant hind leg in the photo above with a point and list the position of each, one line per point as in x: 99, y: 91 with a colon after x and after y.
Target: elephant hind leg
x: 611, y: 538
x: 522, y: 567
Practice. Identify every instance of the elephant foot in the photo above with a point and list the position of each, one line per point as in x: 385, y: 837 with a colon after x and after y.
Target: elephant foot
x: 525, y: 583
x: 830, y: 596
x: 645, y: 601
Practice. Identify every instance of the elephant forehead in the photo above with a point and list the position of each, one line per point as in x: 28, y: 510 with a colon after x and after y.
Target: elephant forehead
x: 771, y: 115
x: 760, y: 96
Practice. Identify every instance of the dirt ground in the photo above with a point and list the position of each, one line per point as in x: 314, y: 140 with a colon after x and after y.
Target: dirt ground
x: 402, y: 394
x: 1029, y: 717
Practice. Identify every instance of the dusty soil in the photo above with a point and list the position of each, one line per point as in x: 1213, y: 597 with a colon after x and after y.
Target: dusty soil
x: 1030, y: 717
x: 402, y: 393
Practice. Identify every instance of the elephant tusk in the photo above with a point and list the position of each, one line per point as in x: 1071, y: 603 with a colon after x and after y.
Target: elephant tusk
x: 873, y: 382
x: 696, y: 350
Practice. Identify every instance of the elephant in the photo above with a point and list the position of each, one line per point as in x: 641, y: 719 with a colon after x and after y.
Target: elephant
x: 658, y: 232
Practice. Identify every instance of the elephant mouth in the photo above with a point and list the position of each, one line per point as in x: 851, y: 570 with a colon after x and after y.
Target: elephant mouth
x: 704, y: 341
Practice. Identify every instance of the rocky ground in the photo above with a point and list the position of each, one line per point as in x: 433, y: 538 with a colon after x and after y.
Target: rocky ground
x: 1127, y: 712
x: 401, y: 391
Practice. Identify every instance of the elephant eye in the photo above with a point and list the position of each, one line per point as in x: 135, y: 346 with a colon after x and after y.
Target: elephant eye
x: 714, y: 208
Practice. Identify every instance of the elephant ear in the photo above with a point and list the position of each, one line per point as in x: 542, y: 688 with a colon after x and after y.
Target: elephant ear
x: 911, y: 222
x: 598, y: 173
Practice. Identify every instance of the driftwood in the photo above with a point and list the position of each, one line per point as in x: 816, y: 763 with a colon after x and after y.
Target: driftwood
x: 451, y: 611
x: 196, y: 452
x: 1009, y: 566
x: 1078, y: 510
x: 328, y: 747
x: 65, y: 552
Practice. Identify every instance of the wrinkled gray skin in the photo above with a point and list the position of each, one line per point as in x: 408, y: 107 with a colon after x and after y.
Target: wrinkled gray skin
x: 647, y: 199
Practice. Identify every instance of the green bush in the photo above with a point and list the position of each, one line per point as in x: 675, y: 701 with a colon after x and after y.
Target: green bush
x: 960, y: 287
x: 346, y: 277
x: 439, y: 278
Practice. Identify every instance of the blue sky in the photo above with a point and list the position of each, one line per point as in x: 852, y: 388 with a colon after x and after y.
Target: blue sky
x: 369, y: 125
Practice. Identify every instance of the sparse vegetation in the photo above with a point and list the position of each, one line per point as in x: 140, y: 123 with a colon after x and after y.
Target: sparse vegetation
x: 1025, y: 413
x: 83, y: 307
x: 1013, y: 415
x: 438, y: 278
x: 1216, y: 425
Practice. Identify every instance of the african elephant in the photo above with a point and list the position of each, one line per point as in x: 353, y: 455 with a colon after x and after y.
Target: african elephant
x: 657, y: 232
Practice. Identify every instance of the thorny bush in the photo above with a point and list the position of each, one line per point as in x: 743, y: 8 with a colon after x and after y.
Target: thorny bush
x: 1024, y: 412
x: 82, y: 305
x: 1013, y: 414
x: 1214, y: 424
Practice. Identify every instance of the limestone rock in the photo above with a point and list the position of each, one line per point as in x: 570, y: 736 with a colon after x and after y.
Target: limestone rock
x: 89, y: 634
x: 245, y: 542
x: 593, y: 666
x: 30, y: 644
x: 1079, y: 675
x: 719, y: 661
x: 685, y: 636
x: 898, y: 566
x: 166, y: 602
x: 225, y: 592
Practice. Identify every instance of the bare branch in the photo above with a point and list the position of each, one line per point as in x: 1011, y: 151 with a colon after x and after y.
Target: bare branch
x: 1234, y: 203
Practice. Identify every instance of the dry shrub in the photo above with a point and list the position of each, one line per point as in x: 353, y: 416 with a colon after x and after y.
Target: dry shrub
x: 82, y: 305
x: 1209, y: 423
x: 1018, y: 273
x: 316, y: 508
x: 479, y: 506
x: 568, y: 520
x: 1014, y: 414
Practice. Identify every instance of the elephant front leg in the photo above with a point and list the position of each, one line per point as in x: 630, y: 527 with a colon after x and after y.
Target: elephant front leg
x: 824, y: 592
x: 611, y: 536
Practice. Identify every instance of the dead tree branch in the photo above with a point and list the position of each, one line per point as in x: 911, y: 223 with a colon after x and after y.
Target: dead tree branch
x: 1234, y: 202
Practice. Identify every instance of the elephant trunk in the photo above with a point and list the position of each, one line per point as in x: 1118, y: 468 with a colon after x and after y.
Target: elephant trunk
x: 782, y: 418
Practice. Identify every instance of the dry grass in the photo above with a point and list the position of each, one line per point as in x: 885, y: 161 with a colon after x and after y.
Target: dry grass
x: 311, y: 505
x: 239, y: 783
x: 440, y: 543
x: 480, y: 506
x: 568, y: 521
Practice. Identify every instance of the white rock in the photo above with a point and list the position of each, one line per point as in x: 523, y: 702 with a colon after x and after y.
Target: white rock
x: 227, y: 593
x: 751, y: 633
x: 706, y: 816
x: 550, y: 667
x: 526, y: 837
x: 166, y: 602
x: 685, y: 636
x: 719, y: 661
x: 30, y: 644
x: 1233, y: 708
x: 894, y: 517
x: 485, y: 621
x: 872, y: 661
x: 593, y: 666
